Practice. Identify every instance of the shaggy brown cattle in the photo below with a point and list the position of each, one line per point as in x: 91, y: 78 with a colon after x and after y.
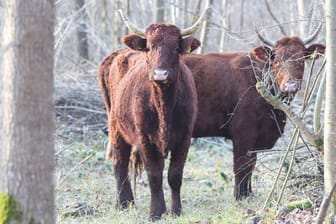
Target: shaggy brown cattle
x: 151, y: 103
x: 229, y: 105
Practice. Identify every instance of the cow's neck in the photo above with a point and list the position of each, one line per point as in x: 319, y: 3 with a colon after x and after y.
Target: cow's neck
x: 163, y: 98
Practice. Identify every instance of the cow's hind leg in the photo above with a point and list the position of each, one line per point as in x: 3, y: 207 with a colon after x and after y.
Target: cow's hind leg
x: 121, y: 157
x: 175, y: 174
x: 154, y: 164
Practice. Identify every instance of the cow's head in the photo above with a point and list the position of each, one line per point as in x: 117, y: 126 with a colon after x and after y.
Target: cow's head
x: 287, y: 57
x: 162, y: 44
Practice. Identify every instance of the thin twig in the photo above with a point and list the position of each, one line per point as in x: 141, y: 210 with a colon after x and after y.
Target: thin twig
x: 59, y: 152
x: 307, y: 93
x: 324, y: 205
x: 313, y: 86
x: 275, y: 19
x: 73, y: 169
x: 81, y: 108
x: 293, y: 146
x: 318, y: 105
x: 280, y: 169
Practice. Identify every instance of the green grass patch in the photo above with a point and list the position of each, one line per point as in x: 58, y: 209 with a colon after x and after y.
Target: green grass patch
x: 87, y: 195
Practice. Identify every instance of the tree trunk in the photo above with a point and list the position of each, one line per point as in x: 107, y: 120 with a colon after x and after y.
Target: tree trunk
x: 292, y: 15
x: 27, y: 147
x: 83, y: 47
x: 126, y: 10
x: 301, y: 11
x: 159, y: 16
x: 204, y: 31
x: 173, y: 12
x: 330, y: 105
x: 241, y: 25
x: 223, y: 36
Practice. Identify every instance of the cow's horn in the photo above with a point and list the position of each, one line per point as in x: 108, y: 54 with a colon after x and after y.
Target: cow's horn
x: 132, y: 26
x: 313, y: 36
x: 192, y: 29
x: 264, y: 40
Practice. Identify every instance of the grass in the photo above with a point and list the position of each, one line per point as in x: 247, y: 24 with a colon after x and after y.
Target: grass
x: 87, y: 194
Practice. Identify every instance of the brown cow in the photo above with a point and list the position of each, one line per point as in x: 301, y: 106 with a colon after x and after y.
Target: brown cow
x: 229, y: 105
x: 151, y: 102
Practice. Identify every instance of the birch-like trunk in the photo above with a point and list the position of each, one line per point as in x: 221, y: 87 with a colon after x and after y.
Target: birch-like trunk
x: 330, y: 115
x: 301, y: 11
x: 204, y: 29
x: 27, y: 147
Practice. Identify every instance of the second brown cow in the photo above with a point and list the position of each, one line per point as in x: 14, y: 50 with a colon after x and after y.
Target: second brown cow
x: 229, y: 105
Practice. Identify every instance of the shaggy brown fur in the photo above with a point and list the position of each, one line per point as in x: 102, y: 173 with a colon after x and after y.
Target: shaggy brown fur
x: 155, y: 116
x: 229, y: 105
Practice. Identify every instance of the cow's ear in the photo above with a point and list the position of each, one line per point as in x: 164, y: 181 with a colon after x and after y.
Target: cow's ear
x: 262, y: 53
x: 135, y: 42
x: 189, y: 44
x: 314, y: 51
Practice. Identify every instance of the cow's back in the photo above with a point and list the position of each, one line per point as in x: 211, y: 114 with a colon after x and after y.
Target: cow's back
x: 220, y: 83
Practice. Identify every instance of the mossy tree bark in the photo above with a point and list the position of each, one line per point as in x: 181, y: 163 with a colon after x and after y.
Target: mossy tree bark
x: 330, y: 115
x: 27, y: 126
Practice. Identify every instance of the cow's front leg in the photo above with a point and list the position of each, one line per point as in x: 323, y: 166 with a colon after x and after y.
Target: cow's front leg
x: 175, y: 174
x: 154, y: 164
x: 120, y: 157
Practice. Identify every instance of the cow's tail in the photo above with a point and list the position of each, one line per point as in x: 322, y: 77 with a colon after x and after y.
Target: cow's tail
x: 136, y: 166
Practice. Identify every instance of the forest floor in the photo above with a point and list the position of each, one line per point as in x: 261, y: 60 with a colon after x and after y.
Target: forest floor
x: 85, y: 186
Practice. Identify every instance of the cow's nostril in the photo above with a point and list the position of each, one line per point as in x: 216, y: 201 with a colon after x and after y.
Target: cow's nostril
x: 291, y: 87
x: 160, y: 75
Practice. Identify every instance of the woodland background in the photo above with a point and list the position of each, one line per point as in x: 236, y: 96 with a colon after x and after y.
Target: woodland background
x: 86, y: 31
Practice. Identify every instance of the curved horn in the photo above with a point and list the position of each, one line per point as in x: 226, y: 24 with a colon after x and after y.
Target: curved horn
x: 313, y: 36
x: 192, y: 29
x: 264, y: 40
x: 132, y: 26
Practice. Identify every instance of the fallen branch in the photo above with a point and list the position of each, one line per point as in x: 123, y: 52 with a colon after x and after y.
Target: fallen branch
x: 313, y: 139
x: 80, y: 108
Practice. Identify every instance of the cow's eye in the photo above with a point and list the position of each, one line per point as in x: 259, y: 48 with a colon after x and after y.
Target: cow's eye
x: 178, y: 50
x: 276, y: 63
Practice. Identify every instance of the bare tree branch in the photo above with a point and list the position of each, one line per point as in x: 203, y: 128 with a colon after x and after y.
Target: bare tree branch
x: 274, y: 18
x: 275, y: 102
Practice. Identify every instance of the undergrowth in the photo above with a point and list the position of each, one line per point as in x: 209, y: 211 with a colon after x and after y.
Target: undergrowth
x: 86, y: 187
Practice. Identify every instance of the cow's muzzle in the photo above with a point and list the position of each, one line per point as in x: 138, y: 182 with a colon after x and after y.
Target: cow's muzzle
x: 160, y: 75
x: 291, y: 87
